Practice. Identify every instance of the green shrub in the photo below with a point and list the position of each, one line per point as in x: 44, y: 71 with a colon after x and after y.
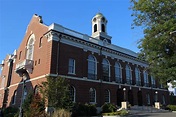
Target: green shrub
x: 108, y: 107
x: 121, y: 113
x: 171, y: 107
x: 61, y: 113
x: 91, y: 109
x: 10, y: 111
x: 84, y: 110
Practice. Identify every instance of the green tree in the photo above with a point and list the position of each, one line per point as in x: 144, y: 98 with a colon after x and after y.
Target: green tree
x: 56, y: 91
x: 34, y: 106
x: 158, y: 46
x: 37, y: 107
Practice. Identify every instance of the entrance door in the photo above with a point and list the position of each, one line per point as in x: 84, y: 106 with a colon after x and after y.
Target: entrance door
x: 130, y: 97
x: 120, y: 96
x: 140, y: 103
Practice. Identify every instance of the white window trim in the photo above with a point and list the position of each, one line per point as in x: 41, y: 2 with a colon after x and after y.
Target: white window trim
x: 130, y: 78
x: 138, y: 74
x: 119, y: 66
x: 94, y: 97
x: 109, y: 96
x: 73, y: 67
x: 108, y: 66
x: 27, y: 47
x: 95, y: 63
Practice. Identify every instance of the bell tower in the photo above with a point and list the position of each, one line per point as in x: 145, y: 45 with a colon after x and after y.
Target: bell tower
x: 99, y: 28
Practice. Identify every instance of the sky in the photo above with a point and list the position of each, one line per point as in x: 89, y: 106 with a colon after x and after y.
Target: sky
x: 15, y: 16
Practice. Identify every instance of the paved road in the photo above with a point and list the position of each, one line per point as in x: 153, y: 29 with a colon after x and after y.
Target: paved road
x: 156, y: 114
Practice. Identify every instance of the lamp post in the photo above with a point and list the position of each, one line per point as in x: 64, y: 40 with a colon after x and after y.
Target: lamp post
x: 156, y: 92
x: 124, y: 89
x: 22, y: 95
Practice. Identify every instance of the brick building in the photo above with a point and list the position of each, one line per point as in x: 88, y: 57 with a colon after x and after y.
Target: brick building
x: 98, y: 71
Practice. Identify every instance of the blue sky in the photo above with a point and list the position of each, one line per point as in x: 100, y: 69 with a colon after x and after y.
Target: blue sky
x: 73, y: 14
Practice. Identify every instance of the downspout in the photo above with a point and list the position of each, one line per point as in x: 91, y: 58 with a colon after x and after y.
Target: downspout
x: 100, y: 98
x: 58, y: 54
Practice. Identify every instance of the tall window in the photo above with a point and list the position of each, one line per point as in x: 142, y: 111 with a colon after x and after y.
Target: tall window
x: 148, y: 98
x: 71, y: 66
x: 72, y: 93
x: 118, y: 72
x: 107, y: 96
x: 92, y: 67
x: 146, y: 81
x: 153, y: 81
x: 14, y: 97
x: 95, y: 28
x: 30, y: 47
x: 128, y: 75
x: 138, y: 77
x: 106, y: 70
x: 92, y: 94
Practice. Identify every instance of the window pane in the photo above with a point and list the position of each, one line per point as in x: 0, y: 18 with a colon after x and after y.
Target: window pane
x: 118, y: 73
x: 107, y: 96
x: 106, y: 69
x: 92, y: 67
x: 137, y: 75
x: 71, y: 66
x: 92, y: 95
x: 72, y: 93
x: 128, y: 75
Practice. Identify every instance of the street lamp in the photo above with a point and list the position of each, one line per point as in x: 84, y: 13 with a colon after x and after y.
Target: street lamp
x: 22, y: 95
x: 156, y: 92
x: 124, y: 89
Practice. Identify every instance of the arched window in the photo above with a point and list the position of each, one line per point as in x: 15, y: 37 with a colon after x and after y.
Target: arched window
x: 128, y: 75
x: 118, y: 72
x: 107, y: 96
x: 30, y: 47
x: 72, y: 94
x: 148, y: 98
x: 95, y: 28
x: 146, y: 81
x: 92, y: 67
x: 103, y: 27
x: 14, y: 97
x: 92, y: 94
x: 106, y: 70
x: 153, y: 81
x: 138, y: 77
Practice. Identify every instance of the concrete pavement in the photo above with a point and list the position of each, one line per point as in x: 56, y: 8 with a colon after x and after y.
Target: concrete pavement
x: 154, y: 114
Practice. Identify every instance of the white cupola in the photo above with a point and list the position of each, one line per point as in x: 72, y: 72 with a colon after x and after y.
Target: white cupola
x: 99, y: 28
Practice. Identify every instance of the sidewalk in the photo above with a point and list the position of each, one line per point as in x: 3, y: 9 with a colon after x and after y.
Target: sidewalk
x: 145, y: 111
